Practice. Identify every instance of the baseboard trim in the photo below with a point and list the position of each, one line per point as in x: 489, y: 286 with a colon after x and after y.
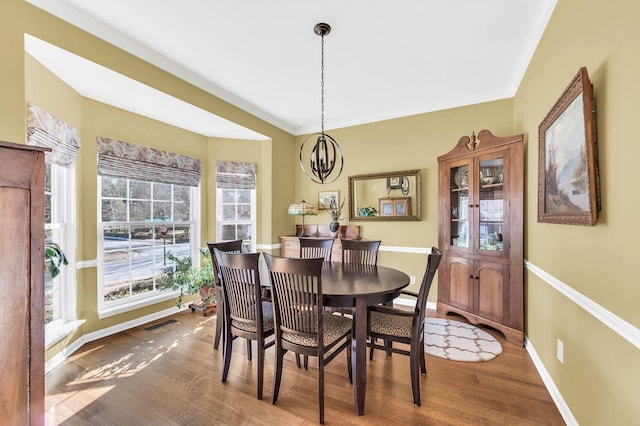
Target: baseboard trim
x: 553, y: 390
x: 90, y: 337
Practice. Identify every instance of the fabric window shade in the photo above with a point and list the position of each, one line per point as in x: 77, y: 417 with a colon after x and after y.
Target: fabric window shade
x: 43, y: 129
x: 124, y: 160
x: 230, y: 175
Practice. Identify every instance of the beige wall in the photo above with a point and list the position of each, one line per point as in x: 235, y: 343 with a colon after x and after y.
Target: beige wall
x: 95, y: 119
x: 600, y: 377
x: 406, y: 143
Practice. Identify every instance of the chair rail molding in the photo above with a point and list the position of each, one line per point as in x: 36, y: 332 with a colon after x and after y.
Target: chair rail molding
x: 625, y: 329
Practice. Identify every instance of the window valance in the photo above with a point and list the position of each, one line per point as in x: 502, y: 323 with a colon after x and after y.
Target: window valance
x: 230, y: 175
x: 121, y: 159
x: 43, y: 129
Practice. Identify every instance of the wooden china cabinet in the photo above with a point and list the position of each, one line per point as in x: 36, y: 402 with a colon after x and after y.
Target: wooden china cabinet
x: 480, y: 232
x: 22, y: 284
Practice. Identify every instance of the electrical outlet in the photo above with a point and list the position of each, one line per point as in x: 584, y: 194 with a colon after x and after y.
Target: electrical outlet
x: 412, y: 279
x: 560, y: 351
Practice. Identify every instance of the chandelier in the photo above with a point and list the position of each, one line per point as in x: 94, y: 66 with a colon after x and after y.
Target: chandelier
x: 321, y: 161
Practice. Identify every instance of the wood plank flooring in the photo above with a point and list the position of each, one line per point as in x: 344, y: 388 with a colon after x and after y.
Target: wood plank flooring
x: 171, y: 376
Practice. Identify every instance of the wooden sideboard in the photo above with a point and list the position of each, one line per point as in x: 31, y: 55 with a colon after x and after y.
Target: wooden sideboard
x: 291, y: 244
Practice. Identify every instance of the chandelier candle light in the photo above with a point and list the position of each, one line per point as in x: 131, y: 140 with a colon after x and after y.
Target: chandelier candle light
x: 302, y: 209
x: 325, y: 159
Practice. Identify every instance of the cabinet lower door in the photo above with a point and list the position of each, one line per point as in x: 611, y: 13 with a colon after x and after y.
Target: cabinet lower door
x: 493, y: 291
x: 460, y: 270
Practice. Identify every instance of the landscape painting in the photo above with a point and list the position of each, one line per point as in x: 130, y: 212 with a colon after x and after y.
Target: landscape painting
x: 568, y: 187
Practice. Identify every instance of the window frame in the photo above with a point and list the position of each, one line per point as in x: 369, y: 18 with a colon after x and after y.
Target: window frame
x: 252, y: 222
x: 136, y: 301
x: 63, y: 227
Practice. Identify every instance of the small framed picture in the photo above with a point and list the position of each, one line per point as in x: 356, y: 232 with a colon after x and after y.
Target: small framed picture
x: 394, y: 182
x: 325, y: 198
x: 385, y: 206
x: 400, y: 207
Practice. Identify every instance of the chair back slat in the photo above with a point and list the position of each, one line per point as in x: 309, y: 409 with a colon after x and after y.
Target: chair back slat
x: 296, y: 288
x: 360, y: 252
x: 240, y: 279
x: 234, y: 246
x: 315, y: 247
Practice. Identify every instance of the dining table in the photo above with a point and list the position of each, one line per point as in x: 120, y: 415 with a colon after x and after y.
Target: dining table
x: 357, y: 286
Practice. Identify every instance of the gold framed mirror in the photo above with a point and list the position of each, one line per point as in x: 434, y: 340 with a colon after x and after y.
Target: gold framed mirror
x: 390, y: 196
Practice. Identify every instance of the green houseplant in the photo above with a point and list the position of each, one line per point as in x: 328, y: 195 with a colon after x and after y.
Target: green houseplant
x: 188, y: 279
x: 54, y: 258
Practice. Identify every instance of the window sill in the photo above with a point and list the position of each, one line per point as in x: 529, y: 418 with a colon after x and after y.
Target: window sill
x: 121, y: 308
x: 54, y: 336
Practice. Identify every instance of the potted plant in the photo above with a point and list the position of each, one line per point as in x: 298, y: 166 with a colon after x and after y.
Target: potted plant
x: 367, y: 211
x: 188, y: 279
x: 54, y: 258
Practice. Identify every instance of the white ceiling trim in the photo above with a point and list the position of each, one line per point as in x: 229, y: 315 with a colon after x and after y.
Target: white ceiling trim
x: 530, y: 39
x: 105, y: 32
x: 542, y: 16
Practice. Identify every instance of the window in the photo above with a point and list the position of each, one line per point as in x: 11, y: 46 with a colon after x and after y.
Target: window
x: 236, y: 216
x: 60, y: 296
x: 43, y: 129
x: 140, y: 223
x: 236, y: 202
x: 149, y: 206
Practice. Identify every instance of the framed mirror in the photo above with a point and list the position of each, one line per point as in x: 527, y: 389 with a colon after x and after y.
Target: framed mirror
x: 391, y: 196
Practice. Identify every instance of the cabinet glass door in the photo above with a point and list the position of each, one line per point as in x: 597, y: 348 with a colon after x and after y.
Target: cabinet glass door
x: 491, y: 208
x: 459, y: 202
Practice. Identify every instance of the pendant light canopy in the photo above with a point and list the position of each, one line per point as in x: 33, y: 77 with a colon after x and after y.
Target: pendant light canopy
x: 321, y: 157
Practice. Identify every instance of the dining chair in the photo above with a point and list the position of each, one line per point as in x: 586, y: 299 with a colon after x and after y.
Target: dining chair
x: 234, y: 246
x: 301, y: 323
x: 360, y: 252
x: 403, y: 326
x: 246, y: 313
x: 316, y: 247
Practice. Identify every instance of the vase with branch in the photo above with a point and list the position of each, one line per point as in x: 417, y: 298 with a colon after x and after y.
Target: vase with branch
x: 335, y: 211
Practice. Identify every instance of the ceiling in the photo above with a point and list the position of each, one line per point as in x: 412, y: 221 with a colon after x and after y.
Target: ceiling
x: 383, y: 59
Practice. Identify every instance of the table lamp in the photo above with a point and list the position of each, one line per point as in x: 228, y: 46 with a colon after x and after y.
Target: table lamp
x: 302, y: 209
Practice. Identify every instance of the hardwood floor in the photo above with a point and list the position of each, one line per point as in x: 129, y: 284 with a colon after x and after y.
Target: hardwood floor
x: 170, y: 375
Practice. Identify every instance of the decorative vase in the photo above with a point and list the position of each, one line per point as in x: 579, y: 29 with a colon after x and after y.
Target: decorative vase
x: 334, y: 227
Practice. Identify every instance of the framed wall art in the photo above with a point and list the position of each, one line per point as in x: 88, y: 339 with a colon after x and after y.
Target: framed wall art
x: 568, y: 180
x: 394, y: 206
x: 402, y: 206
x: 325, y: 197
x: 394, y: 182
x: 385, y: 207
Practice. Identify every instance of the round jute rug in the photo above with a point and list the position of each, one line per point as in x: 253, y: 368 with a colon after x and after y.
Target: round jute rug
x: 459, y: 341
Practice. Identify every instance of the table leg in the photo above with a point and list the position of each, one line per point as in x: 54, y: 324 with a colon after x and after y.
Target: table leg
x: 359, y: 354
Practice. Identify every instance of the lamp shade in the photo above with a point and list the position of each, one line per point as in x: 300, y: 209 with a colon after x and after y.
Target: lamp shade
x: 302, y: 209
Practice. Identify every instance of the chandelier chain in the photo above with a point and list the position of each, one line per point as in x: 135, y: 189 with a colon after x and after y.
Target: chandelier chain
x: 322, y: 86
x: 322, y: 161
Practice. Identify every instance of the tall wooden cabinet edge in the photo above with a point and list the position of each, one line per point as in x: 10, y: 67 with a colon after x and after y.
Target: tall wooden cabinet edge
x: 506, y: 309
x: 22, y: 198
